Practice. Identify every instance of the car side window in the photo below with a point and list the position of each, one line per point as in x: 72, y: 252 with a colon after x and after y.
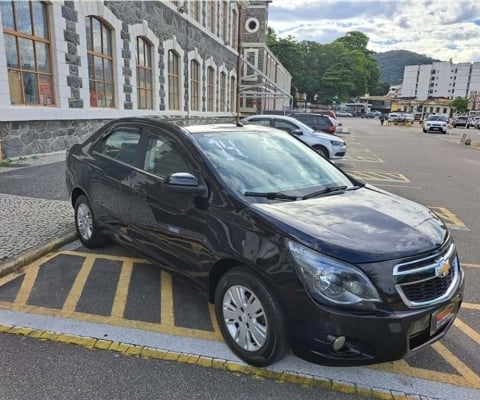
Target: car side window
x: 260, y: 121
x: 323, y: 122
x: 164, y: 158
x: 285, y: 126
x: 121, y: 145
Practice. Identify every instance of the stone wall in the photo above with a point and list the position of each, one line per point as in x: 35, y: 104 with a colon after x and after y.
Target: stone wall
x: 21, y: 138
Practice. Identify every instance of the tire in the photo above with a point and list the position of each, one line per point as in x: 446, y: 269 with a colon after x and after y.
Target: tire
x: 250, y: 318
x: 322, y: 151
x: 86, y: 225
x: 424, y: 130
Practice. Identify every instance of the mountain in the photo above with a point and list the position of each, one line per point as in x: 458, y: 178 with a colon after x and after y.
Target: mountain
x: 391, y: 64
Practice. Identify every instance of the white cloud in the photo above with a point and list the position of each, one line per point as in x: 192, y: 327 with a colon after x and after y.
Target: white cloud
x: 441, y: 29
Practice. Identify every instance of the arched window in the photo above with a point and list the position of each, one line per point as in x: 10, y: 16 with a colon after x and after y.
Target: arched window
x: 210, y: 88
x: 223, y: 90
x: 27, y: 45
x: 234, y: 29
x: 144, y: 74
x: 211, y: 16
x: 173, y: 80
x: 100, y: 63
x: 233, y: 91
x: 195, y: 85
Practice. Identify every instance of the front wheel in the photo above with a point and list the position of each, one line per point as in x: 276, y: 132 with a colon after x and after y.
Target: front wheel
x: 250, y: 318
x: 86, y: 225
x: 322, y: 151
x: 424, y: 130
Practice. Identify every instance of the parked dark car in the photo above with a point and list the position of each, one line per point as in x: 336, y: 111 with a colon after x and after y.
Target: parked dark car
x: 293, y: 252
x: 369, y: 114
x: 318, y: 122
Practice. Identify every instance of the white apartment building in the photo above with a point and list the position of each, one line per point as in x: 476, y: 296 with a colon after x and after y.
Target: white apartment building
x: 440, y: 79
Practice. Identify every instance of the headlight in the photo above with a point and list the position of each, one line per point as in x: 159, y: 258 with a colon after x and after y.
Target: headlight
x: 332, y: 280
x: 336, y: 143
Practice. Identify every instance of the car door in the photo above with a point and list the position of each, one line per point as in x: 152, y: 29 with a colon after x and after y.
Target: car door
x: 169, y: 226
x: 110, y: 172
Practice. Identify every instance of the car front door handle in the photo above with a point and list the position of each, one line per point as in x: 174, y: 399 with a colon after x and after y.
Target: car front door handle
x: 140, y: 193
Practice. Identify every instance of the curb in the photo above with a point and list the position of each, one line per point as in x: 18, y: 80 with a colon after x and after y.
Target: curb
x: 211, y: 362
x: 37, y: 252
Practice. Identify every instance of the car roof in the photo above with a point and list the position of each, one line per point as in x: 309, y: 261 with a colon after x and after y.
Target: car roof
x: 271, y: 116
x: 225, y: 128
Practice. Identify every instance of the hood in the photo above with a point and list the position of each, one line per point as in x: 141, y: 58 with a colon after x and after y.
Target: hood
x: 327, y: 136
x: 358, y: 226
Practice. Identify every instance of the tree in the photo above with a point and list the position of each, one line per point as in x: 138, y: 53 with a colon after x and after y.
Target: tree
x: 460, y: 105
x: 339, y: 70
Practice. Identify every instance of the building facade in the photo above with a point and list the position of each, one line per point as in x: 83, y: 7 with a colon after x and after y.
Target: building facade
x: 66, y: 68
x: 440, y: 80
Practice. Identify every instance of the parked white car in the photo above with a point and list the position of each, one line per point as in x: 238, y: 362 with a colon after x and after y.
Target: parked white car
x: 329, y: 146
x: 435, y: 123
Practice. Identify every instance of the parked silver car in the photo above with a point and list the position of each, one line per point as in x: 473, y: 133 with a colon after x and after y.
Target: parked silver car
x: 329, y: 146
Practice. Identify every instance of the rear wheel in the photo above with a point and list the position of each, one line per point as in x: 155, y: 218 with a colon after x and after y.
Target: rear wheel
x: 86, y: 225
x: 322, y: 151
x: 250, y: 318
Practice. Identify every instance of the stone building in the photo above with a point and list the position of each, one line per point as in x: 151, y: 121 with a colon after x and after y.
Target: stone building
x: 68, y: 67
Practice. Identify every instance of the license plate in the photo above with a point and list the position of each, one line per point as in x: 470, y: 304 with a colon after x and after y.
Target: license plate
x: 440, y: 318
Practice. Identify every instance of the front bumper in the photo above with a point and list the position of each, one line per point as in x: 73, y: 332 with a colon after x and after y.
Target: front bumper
x: 371, y: 337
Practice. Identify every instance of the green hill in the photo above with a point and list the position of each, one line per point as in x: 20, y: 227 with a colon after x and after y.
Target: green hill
x: 392, y: 63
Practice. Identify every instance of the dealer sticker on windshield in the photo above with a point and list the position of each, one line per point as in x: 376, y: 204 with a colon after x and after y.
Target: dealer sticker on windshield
x: 440, y: 318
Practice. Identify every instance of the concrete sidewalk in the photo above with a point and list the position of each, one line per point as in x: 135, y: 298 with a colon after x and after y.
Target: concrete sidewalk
x: 30, y: 226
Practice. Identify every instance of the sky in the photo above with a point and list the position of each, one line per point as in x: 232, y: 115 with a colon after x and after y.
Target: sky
x: 441, y: 29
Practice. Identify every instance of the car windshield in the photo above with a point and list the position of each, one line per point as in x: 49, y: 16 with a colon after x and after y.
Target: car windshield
x: 437, y: 118
x: 270, y: 164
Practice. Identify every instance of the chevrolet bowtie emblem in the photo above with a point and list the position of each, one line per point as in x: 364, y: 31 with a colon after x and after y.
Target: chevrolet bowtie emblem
x: 443, y: 269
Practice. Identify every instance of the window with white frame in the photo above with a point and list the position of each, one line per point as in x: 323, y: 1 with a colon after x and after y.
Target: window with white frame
x: 173, y: 80
x: 194, y: 85
x: 100, y: 62
x: 210, y: 88
x: 233, y: 91
x: 28, y: 52
x: 144, y: 74
x: 225, y: 21
x: 234, y: 43
x: 195, y: 10
x: 223, y: 90
x: 211, y: 15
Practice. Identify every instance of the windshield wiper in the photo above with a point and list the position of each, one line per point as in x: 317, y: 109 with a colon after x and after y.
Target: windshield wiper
x: 328, y: 190
x: 271, y: 195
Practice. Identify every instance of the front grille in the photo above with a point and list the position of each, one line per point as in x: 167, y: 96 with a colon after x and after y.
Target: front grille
x: 428, y: 280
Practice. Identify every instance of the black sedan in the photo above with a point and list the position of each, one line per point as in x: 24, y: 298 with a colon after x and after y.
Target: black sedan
x: 294, y: 253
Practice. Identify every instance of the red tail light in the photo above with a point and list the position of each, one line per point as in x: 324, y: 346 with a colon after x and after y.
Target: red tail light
x: 331, y: 129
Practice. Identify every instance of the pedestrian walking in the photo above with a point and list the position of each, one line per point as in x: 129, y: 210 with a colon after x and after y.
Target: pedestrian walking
x: 382, y: 119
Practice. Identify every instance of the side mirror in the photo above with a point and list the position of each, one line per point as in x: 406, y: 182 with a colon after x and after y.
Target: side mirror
x: 184, y: 182
x: 297, y: 132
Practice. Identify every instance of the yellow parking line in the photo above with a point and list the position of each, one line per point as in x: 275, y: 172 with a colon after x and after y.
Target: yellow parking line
x: 115, y: 321
x: 166, y: 300
x: 471, y: 306
x: 104, y: 256
x: 27, y: 284
x: 402, y: 367
x: 471, y: 333
x: 449, y: 217
x: 77, y: 287
x: 121, y: 294
x: 471, y: 265
x: 459, y: 365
